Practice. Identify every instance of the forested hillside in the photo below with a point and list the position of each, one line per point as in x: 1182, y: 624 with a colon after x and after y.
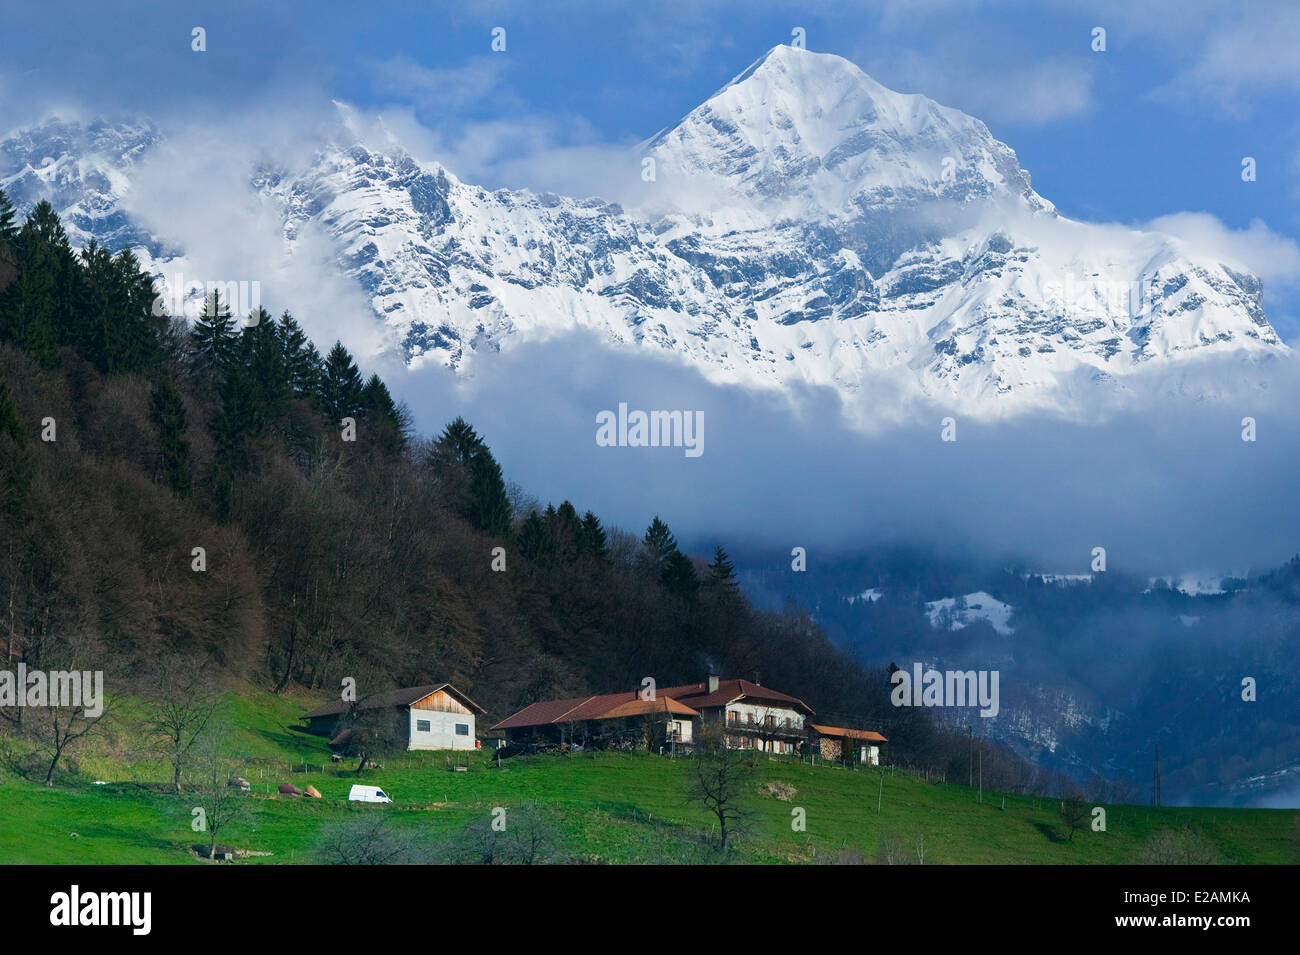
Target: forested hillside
x: 223, y: 489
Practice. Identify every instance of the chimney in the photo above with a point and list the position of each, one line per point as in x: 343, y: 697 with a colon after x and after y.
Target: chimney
x: 712, y: 683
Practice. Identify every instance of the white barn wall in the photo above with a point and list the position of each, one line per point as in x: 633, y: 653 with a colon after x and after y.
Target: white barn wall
x: 441, y: 733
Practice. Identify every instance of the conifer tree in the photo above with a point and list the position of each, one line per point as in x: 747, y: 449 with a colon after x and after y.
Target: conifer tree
x: 8, y: 221
x: 215, y: 335
x: 463, y: 440
x: 391, y: 423
x: 486, y: 504
x: 301, y: 359
x: 592, y: 538
x: 341, y: 386
x: 115, y: 326
x: 721, y: 572
x: 258, y: 365
x: 490, y: 508
x: 535, y: 542
x: 660, y: 545
x: 679, y: 576
x: 36, y: 308
x: 565, y: 530
x: 48, y: 242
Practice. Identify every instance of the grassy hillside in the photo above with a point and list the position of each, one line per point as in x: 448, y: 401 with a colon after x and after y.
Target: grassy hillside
x: 604, y: 807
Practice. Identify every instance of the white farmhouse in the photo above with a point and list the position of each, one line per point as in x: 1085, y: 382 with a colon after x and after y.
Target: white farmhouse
x: 437, y: 716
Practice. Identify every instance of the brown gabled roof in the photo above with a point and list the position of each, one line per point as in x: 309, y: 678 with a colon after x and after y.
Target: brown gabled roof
x: 402, y: 697
x: 660, y: 704
x: 849, y: 733
x: 603, y: 707
x: 686, y: 700
x: 729, y: 691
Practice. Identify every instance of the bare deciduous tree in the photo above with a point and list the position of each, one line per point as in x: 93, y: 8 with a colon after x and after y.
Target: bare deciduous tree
x: 182, y: 701
x: 1074, y: 811
x: 720, y: 779
x: 371, y: 839
x: 526, y: 838
x: 1178, y: 847
x: 221, y: 802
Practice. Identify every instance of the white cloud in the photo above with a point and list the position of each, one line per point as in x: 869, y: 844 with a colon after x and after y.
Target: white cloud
x: 1030, y: 94
x: 444, y: 90
x: 1251, y: 55
x: 1270, y: 255
x: 229, y: 234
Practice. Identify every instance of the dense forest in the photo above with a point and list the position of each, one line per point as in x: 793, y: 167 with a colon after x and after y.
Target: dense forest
x: 221, y: 488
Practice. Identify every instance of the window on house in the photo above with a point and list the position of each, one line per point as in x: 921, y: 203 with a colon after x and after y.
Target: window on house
x: 422, y: 726
x: 462, y: 729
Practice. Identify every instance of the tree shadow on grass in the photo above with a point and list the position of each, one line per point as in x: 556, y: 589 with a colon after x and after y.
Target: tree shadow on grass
x: 631, y: 812
x: 1050, y: 831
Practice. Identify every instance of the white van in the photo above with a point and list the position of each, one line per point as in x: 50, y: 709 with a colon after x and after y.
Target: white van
x: 368, y: 794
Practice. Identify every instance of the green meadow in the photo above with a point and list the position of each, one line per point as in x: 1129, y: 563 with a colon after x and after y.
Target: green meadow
x: 606, y: 807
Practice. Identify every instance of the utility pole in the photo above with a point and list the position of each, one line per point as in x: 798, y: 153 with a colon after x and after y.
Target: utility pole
x: 1156, y: 787
x: 981, y: 774
x: 970, y: 752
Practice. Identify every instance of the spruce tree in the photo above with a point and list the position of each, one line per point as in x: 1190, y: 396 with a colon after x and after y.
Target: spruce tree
x: 215, y: 335
x: 135, y: 344
x: 485, y: 502
x: 268, y: 375
x: 490, y: 508
x: 8, y: 221
x: 660, y: 545
x: 389, y: 422
x: 36, y: 307
x: 592, y: 539
x: 48, y: 244
x: 566, y: 528
x: 535, y: 542
x: 341, y: 386
x: 301, y: 359
x: 679, y: 577
x: 461, y: 438
x: 721, y: 572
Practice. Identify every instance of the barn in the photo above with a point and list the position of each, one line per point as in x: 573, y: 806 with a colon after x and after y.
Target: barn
x: 436, y: 716
x: 850, y: 745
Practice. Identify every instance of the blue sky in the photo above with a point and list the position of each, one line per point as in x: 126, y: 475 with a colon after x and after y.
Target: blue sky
x: 1156, y: 125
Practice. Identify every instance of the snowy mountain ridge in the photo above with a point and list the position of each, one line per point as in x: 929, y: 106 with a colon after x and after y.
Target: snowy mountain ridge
x: 806, y: 226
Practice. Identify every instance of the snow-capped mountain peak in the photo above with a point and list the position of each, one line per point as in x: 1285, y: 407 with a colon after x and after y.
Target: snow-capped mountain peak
x: 810, y: 133
x: 805, y: 226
